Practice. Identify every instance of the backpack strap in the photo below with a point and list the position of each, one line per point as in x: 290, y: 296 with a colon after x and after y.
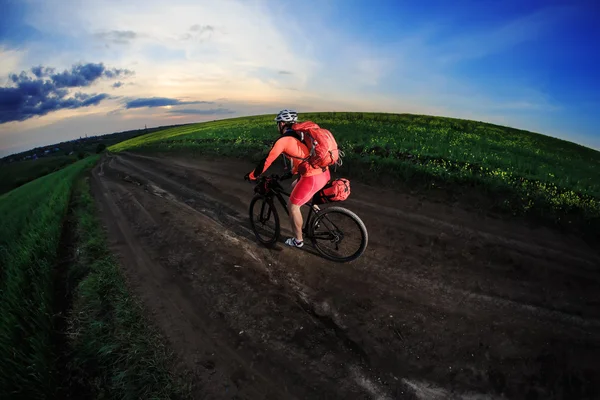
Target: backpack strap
x: 293, y: 133
x: 296, y: 135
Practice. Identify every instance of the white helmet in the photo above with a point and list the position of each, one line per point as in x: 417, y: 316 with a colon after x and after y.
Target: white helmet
x: 287, y: 116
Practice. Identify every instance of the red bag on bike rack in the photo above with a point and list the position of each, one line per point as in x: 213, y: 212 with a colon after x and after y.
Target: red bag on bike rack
x: 336, y: 190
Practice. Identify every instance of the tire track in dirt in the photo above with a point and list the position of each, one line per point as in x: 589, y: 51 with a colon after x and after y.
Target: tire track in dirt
x: 431, y: 300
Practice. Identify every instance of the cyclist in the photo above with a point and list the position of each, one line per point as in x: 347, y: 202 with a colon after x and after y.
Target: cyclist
x: 290, y: 144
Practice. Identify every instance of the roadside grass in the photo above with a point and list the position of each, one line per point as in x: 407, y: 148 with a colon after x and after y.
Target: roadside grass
x: 30, y: 234
x: 519, y: 172
x: 114, y: 349
x: 100, y: 345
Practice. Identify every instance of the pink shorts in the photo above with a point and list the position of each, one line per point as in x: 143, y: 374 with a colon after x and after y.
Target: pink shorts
x: 307, y: 186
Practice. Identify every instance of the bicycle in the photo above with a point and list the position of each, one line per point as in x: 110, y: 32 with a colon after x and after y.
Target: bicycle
x: 269, y: 187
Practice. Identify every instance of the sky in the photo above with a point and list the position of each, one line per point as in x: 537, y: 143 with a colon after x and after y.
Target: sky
x: 73, y: 68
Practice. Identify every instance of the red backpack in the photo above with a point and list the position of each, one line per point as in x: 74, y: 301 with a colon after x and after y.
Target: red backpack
x: 336, y: 190
x: 323, y: 148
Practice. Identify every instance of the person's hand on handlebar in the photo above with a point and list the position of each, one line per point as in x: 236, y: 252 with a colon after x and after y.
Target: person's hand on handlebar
x: 275, y: 177
x: 247, y: 177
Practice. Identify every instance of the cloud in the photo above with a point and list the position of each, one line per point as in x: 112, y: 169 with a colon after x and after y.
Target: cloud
x: 212, y: 111
x: 79, y: 75
x: 283, y: 72
x: 219, y: 52
x: 41, y: 71
x: 36, y: 99
x: 198, y: 33
x: 116, y: 36
x: 117, y: 84
x: 48, y: 91
x: 160, y: 102
x: 202, y: 28
x: 116, y: 73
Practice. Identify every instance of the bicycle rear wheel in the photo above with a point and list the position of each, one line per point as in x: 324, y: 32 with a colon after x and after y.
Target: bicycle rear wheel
x: 264, y: 219
x: 339, y: 234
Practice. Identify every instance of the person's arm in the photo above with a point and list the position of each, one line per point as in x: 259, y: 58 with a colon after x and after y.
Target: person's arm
x: 276, y: 150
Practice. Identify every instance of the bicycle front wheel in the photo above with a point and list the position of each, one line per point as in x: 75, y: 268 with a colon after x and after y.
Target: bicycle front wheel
x: 339, y: 234
x: 264, y: 220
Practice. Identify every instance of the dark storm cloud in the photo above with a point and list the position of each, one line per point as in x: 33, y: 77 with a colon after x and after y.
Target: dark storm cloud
x: 47, y: 92
x: 41, y: 71
x: 86, y: 74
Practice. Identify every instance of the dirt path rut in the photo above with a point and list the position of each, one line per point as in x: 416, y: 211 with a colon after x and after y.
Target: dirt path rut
x: 443, y: 304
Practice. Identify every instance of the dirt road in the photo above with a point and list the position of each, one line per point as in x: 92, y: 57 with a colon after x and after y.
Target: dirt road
x: 443, y: 304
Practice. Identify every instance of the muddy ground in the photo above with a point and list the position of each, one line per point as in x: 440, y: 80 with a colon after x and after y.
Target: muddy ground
x: 445, y: 303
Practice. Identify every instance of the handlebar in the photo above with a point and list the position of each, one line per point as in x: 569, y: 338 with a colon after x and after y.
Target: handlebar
x: 265, y: 184
x: 273, y: 177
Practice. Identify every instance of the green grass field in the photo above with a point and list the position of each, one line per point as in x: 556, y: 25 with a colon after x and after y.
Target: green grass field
x: 524, y: 172
x: 103, y: 346
x: 30, y: 234
x: 18, y: 173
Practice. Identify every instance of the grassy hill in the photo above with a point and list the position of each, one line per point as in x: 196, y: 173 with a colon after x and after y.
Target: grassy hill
x: 521, y: 172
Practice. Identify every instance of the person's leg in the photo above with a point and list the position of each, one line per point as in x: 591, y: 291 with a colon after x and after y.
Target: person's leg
x: 296, y: 221
x: 295, y: 215
x: 304, y: 190
x: 299, y: 196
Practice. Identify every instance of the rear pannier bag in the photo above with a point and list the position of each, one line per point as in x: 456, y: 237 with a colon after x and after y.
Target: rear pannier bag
x: 336, y: 190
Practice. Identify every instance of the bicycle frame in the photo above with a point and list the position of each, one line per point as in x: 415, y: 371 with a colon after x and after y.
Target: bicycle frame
x: 276, y: 190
